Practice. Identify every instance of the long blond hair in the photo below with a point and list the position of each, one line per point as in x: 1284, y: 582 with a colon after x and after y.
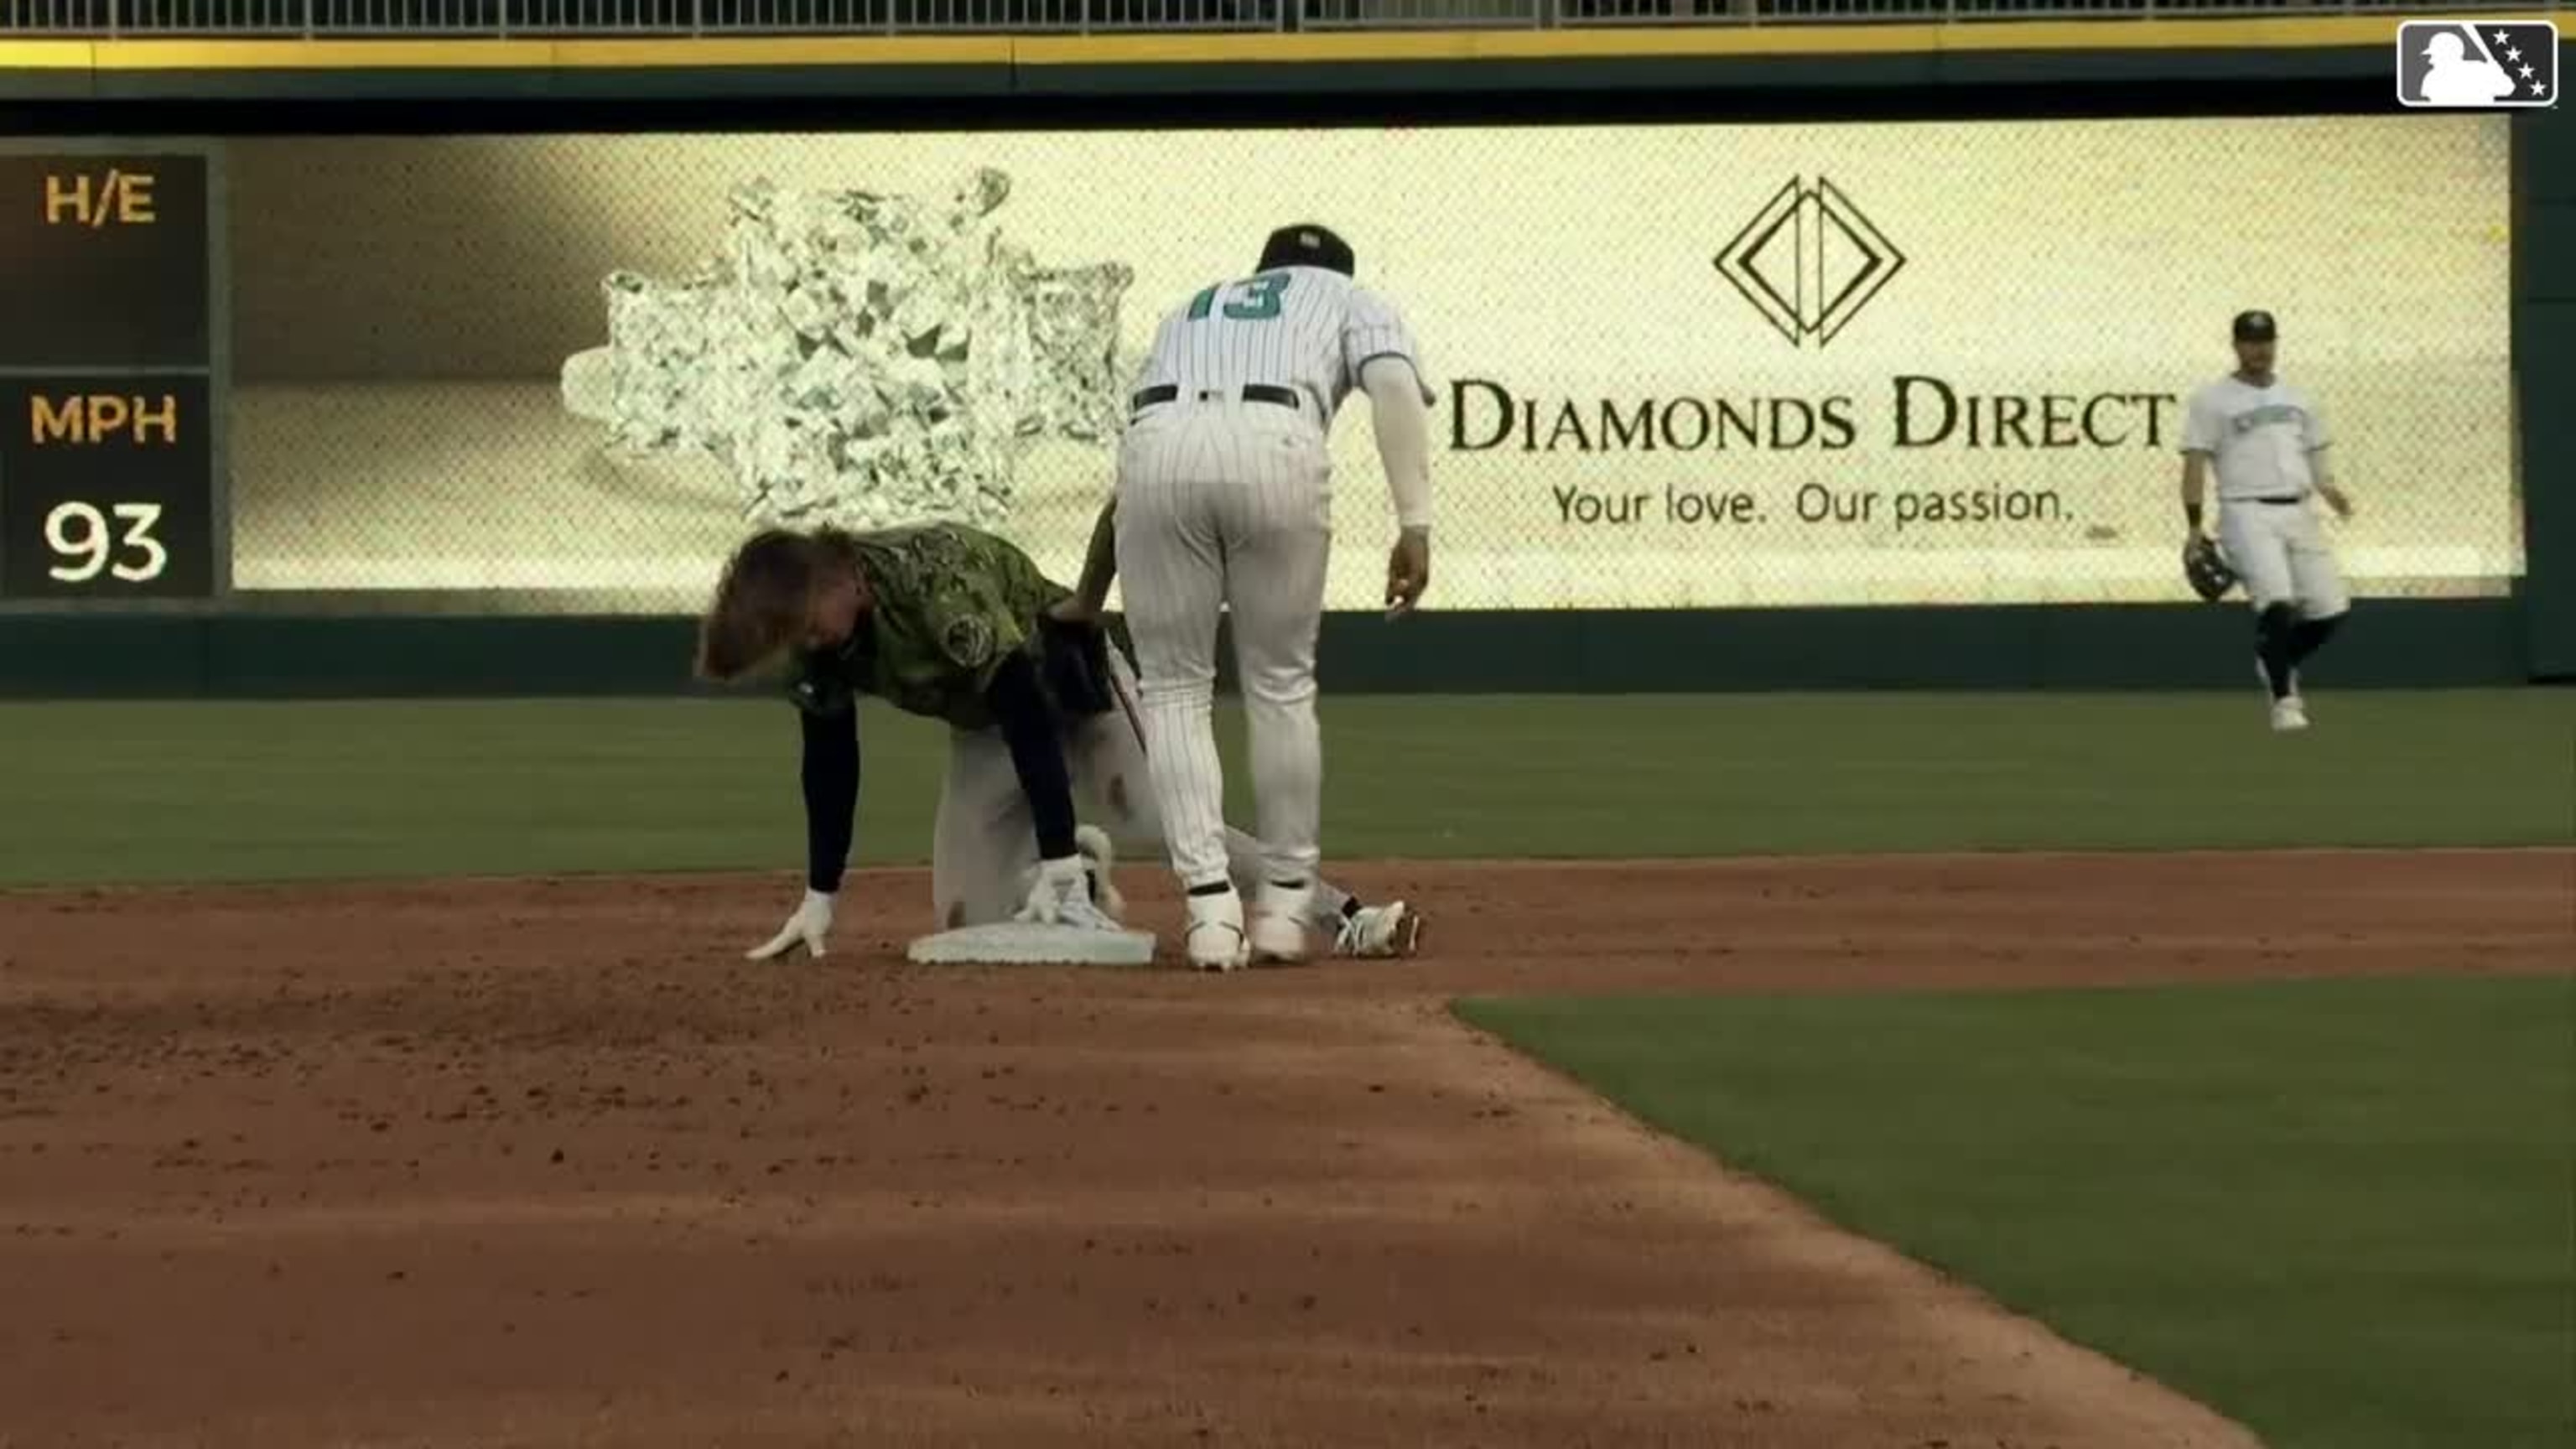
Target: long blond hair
x: 761, y: 599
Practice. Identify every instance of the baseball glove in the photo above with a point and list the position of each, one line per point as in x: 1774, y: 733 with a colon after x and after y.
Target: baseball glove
x: 2205, y: 568
x: 1073, y: 661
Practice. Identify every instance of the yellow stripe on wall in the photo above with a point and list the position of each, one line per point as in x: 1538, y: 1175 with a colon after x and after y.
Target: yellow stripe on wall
x: 2268, y: 32
x: 717, y: 53
x: 1609, y: 44
x: 354, y: 55
x: 47, y: 55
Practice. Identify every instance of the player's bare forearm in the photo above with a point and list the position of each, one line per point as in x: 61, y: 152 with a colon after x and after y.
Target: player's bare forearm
x: 2321, y: 468
x: 1399, y: 415
x: 2195, y: 488
x: 1100, y: 561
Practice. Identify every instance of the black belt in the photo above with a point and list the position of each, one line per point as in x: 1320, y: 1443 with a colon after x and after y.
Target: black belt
x: 1258, y: 392
x: 2281, y: 498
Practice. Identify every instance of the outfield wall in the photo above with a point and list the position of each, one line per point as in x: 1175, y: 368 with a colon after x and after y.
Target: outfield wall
x: 2544, y: 344
x: 2032, y: 185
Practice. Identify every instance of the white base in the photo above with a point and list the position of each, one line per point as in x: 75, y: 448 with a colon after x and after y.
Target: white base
x: 1012, y: 943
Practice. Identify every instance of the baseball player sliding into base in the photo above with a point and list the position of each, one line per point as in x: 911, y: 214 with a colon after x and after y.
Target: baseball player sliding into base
x: 1224, y: 501
x: 951, y: 623
x: 2268, y: 443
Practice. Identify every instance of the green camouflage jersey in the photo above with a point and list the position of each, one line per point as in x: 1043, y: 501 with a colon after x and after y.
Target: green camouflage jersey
x: 950, y: 603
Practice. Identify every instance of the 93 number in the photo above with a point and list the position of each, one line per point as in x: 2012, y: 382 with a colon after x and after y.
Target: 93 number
x: 117, y: 542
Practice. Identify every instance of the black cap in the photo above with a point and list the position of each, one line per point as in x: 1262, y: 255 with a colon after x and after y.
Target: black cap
x: 2254, y: 326
x: 1308, y: 244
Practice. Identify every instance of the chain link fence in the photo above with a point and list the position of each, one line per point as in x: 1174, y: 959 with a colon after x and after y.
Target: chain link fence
x: 283, y: 18
x: 1676, y: 366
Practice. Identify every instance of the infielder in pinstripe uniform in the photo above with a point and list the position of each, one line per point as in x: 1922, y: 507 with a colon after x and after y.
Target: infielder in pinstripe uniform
x: 1224, y: 501
x: 2269, y: 445
x: 941, y: 621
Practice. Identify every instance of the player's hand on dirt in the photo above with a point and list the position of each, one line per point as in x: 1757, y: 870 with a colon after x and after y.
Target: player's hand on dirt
x: 808, y: 925
x: 1408, y: 571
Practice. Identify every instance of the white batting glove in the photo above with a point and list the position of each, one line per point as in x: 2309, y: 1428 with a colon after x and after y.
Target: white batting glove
x: 811, y: 921
x: 1060, y: 895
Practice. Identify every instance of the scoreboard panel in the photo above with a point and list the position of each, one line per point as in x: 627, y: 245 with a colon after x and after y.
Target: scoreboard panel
x: 111, y: 376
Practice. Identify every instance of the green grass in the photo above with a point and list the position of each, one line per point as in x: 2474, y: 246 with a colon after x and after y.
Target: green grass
x: 115, y: 792
x: 2340, y: 1212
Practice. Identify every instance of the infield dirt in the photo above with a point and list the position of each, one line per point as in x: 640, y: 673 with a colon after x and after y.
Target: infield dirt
x: 547, y: 1164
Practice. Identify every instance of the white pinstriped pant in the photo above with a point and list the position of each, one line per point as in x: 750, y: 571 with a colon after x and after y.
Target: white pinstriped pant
x: 1228, y: 504
x: 984, y: 847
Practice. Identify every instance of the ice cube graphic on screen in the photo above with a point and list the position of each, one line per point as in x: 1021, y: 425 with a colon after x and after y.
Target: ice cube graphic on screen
x: 861, y: 358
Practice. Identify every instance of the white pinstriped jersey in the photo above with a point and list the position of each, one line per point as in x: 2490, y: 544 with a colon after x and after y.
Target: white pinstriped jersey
x: 1298, y: 327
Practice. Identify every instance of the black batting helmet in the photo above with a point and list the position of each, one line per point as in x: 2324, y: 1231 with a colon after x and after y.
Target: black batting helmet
x: 1308, y: 244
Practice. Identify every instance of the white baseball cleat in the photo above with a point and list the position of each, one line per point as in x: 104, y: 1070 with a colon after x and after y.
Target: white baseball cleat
x: 1279, y: 928
x: 1215, y: 941
x: 1099, y: 858
x: 1390, y: 930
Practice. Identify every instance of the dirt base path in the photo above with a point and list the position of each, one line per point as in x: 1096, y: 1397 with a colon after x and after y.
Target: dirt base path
x: 546, y: 1164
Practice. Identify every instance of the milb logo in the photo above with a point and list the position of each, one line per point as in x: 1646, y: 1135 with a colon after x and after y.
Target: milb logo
x: 2477, y: 64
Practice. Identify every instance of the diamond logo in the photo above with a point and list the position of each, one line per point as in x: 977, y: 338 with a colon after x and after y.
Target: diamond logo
x: 1809, y: 261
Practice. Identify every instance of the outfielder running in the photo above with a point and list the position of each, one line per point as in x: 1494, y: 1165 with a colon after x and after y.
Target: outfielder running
x: 2267, y: 442
x: 1224, y: 500
x: 952, y: 623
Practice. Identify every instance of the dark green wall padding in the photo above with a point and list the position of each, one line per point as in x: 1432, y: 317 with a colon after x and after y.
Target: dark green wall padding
x: 2391, y: 643
x: 2544, y: 358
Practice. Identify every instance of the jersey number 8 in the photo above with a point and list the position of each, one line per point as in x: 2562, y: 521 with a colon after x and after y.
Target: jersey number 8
x: 1256, y: 300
